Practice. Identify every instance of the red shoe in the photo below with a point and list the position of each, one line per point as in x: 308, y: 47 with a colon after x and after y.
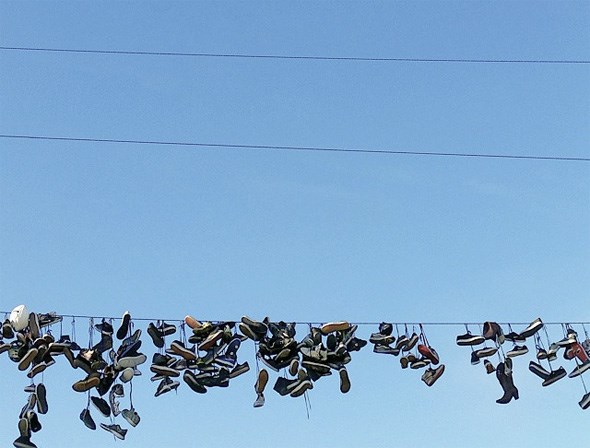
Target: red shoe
x: 429, y: 352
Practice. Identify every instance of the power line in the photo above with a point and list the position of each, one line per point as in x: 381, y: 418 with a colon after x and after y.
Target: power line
x: 317, y: 323
x: 296, y: 148
x: 296, y: 57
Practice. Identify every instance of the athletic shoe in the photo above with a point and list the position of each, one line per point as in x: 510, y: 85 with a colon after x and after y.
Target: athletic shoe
x: 489, y: 367
x: 429, y: 352
x: 191, y: 380
x: 486, y: 352
x: 533, y: 327
x: 124, y: 328
x: 41, y: 394
x: 344, y: 380
x: 27, y: 359
x: 115, y: 430
x: 127, y: 375
x: 34, y: 326
x: 259, y: 328
x: 131, y: 416
x: 239, y: 370
x: 579, y: 369
x: 104, y: 327
x: 570, y: 338
x: 102, y: 406
x: 259, y: 402
x: 411, y: 343
x: 166, y: 385
x: 493, y: 331
x: 517, y: 350
x: 92, y: 380
x: 178, y: 348
x: 23, y: 427
x: 24, y: 442
x: 381, y: 339
x: 385, y: 328
x: 334, y: 326
x: 156, y: 335
x: 554, y: 376
x: 385, y: 349
x: 539, y: 370
x: 469, y: 339
x: 585, y: 401
x: 431, y: 375
x: 515, y: 338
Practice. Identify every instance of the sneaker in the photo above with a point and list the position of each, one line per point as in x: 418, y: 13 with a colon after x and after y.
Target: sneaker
x: 401, y: 342
x: 474, y: 359
x: 34, y: 423
x: 92, y: 380
x: 131, y: 416
x: 102, y: 406
x: 431, y: 375
x: 539, y: 370
x: 344, y: 380
x: 334, y: 326
x: 178, y: 348
x: 191, y: 380
x: 124, y: 328
x: 24, y: 442
x: 381, y: 339
x: 294, y: 367
x: 87, y: 419
x: 489, y: 367
x: 517, y: 350
x: 533, y: 327
x: 554, y: 376
x: 515, y: 338
x: 493, y: 331
x: 191, y: 322
x: 104, y: 327
x: 23, y: 427
x: 166, y: 385
x: 412, y: 341
x: 259, y: 402
x: 585, y: 401
x: 27, y: 359
x: 261, y: 381
x: 127, y: 375
x: 570, y: 338
x: 34, y: 326
x: 239, y: 369
x: 115, y: 430
x: 486, y: 352
x: 579, y: 369
x: 385, y: 349
x: 259, y: 328
x: 41, y: 394
x: 156, y: 335
x: 429, y: 352
x: 469, y: 339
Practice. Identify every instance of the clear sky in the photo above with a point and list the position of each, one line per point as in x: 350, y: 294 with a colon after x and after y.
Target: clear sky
x: 98, y: 229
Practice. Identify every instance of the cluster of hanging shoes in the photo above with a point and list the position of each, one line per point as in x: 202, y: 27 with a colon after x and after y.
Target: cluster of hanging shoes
x: 493, y: 334
x: 207, y: 357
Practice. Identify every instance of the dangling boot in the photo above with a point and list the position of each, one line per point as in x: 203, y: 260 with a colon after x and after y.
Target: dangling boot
x: 510, y: 390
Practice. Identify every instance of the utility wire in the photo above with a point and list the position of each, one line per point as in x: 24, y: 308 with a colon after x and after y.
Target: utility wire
x: 430, y: 324
x: 295, y: 57
x: 296, y: 148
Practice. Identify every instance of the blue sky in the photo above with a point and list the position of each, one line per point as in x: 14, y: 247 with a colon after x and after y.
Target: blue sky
x: 98, y: 229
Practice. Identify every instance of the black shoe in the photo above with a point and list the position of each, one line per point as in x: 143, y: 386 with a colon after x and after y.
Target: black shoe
x: 33, y: 418
x: 517, y: 350
x: 101, y: 405
x: 344, y: 380
x: 166, y: 385
x: 24, y: 442
x: 539, y: 370
x: 507, y: 383
x: 87, y: 419
x: 124, y: 328
x: 385, y: 328
x: 283, y: 386
x: 104, y: 327
x: 534, y: 326
x: 156, y: 335
x: 41, y: 394
x: 239, y: 369
x: 469, y: 339
x: 115, y: 430
x: 191, y: 380
x: 585, y: 401
x: 555, y: 376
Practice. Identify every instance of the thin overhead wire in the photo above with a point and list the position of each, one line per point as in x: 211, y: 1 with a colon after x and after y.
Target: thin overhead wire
x: 297, y: 148
x: 317, y: 323
x: 296, y: 57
